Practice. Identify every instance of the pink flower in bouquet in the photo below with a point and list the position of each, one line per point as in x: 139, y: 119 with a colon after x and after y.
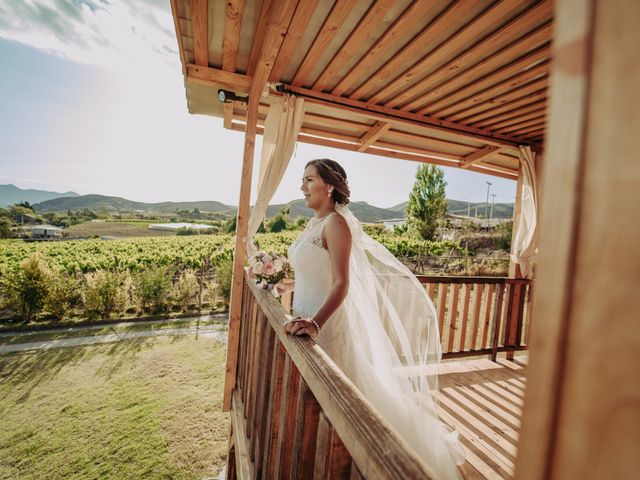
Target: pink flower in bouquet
x: 268, y: 268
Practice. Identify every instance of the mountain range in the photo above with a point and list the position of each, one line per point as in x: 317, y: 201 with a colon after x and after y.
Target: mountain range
x: 44, y: 202
x: 10, y: 194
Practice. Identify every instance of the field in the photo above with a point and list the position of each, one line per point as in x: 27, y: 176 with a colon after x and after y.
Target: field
x: 116, y: 229
x: 188, y: 251
x: 142, y: 408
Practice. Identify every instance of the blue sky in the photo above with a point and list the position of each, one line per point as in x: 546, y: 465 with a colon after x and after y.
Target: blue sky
x: 92, y: 100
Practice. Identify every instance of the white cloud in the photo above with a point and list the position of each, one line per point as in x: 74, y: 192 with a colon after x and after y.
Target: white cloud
x: 116, y: 35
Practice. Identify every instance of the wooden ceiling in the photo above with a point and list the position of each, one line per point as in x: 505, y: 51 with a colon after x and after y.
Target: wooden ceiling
x: 456, y: 83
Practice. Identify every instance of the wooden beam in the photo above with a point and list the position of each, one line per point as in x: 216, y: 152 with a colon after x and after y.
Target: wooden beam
x: 537, y: 120
x: 491, y: 121
x: 478, y: 52
x: 514, y: 270
x: 487, y: 169
x: 231, y: 42
x: 258, y: 37
x: 534, y: 128
x: 417, y: 10
x: 372, y: 135
x: 235, y: 82
x: 417, y: 48
x: 479, y: 155
x: 535, y: 86
x: 277, y: 20
x: 294, y: 36
x: 228, y: 114
x: 508, y: 107
x: 367, y: 27
x: 514, y: 119
x: 439, y: 97
x: 334, y: 21
x: 497, y: 90
x: 558, y: 227
x: 394, y: 116
x: 505, y: 63
x: 200, y: 25
x: 176, y: 24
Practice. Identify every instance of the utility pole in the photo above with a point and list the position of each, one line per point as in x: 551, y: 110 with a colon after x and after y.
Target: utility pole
x: 493, y: 202
x: 486, y: 208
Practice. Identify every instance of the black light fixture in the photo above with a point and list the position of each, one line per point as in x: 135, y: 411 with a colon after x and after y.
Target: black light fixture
x: 226, y: 96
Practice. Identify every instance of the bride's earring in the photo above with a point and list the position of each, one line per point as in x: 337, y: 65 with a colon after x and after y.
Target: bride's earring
x: 329, y: 193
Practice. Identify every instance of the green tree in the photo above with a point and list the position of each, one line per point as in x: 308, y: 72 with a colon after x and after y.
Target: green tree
x: 427, y: 201
x: 281, y: 221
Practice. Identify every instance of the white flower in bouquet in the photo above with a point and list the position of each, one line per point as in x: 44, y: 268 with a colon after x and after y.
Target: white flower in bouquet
x: 257, y: 267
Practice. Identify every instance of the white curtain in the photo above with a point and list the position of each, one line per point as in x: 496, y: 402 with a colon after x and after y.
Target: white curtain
x: 523, y: 247
x: 281, y: 129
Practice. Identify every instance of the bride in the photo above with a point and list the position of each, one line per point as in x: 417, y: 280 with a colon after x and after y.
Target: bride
x: 371, y: 316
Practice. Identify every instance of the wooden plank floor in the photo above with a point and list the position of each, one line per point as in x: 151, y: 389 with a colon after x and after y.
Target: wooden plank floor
x: 483, y: 401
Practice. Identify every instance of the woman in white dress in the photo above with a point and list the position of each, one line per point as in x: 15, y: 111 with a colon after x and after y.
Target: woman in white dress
x: 371, y: 316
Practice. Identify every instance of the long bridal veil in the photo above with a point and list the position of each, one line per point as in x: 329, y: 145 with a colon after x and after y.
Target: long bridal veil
x: 396, y: 348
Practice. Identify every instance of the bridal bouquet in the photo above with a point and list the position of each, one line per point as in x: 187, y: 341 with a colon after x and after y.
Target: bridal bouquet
x: 267, y: 269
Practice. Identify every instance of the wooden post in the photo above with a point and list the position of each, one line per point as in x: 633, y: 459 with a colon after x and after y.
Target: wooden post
x: 242, y: 225
x: 514, y: 270
x: 277, y: 19
x: 581, y: 415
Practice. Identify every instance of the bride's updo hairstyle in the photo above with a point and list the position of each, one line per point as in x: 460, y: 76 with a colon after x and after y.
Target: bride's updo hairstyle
x: 332, y: 173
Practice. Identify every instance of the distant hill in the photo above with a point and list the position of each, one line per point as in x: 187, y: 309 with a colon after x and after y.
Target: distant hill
x: 362, y: 210
x: 118, y: 204
x: 10, y: 194
x: 461, y: 207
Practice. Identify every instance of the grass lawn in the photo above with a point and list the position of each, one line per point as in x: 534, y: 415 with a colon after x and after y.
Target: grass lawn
x: 143, y: 408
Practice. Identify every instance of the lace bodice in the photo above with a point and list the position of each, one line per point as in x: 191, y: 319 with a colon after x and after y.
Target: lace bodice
x: 310, y: 260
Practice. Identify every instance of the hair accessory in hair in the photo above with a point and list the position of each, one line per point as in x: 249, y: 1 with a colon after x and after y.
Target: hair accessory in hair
x: 338, y: 174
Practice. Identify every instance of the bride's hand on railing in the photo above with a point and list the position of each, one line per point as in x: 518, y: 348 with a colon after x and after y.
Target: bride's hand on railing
x: 301, y: 326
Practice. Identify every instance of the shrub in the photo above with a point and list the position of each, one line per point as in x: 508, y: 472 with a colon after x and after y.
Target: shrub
x: 105, y: 292
x: 374, y: 228
x: 210, y: 294
x: 186, y: 231
x: 26, y: 287
x: 503, y: 232
x: 61, y: 294
x: 152, y: 288
x: 224, y: 274
x: 186, y: 289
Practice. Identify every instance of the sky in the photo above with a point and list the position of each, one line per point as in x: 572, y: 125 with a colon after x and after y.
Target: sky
x: 92, y: 100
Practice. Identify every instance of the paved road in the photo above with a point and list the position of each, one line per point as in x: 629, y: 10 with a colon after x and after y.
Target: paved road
x: 210, y: 331
x: 203, y: 318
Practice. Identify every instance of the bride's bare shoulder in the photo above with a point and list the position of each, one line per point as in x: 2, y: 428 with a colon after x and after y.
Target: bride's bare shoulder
x: 337, y: 225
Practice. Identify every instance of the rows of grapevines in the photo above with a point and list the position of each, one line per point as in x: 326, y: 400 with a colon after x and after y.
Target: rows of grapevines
x: 189, y: 251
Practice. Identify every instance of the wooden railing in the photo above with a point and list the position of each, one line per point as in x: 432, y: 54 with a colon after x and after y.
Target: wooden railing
x: 480, y: 315
x: 294, y: 413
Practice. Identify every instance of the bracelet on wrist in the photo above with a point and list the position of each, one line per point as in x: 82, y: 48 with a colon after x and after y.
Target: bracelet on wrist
x: 315, y: 324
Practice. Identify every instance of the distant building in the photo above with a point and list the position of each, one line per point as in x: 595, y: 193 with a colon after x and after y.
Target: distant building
x: 394, y: 222
x: 174, y: 227
x: 46, y: 231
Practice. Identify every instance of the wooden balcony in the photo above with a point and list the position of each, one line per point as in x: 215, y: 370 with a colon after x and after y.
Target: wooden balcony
x: 295, y: 414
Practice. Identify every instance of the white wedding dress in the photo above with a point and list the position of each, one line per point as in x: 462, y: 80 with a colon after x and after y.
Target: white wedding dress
x: 384, y: 329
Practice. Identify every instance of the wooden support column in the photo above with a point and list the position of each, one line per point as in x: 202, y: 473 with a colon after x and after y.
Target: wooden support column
x: 514, y: 269
x: 582, y: 402
x: 276, y: 18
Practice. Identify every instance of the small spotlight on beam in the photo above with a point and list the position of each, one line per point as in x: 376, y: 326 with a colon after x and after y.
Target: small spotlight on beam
x: 226, y: 96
